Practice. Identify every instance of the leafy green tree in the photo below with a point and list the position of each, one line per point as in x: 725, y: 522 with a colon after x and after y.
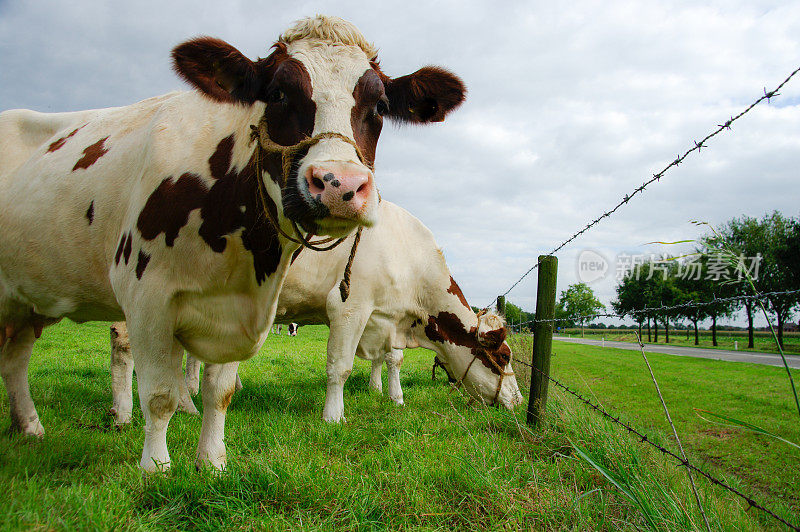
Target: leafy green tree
x: 632, y: 296
x: 577, y: 301
x: 775, y: 238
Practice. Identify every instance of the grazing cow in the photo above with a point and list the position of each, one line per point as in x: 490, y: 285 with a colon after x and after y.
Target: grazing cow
x: 291, y: 329
x: 167, y: 213
x: 397, y: 299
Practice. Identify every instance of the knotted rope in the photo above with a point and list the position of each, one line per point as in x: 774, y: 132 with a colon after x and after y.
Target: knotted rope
x: 265, y: 145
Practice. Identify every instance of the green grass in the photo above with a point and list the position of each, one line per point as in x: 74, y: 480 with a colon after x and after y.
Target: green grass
x: 435, y: 464
x: 762, y: 341
x: 618, y: 379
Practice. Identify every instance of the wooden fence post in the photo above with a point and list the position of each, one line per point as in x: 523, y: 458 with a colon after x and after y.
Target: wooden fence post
x: 542, y: 338
x: 501, y: 306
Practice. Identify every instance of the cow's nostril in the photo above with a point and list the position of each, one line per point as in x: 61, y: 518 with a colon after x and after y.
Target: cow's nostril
x: 317, y: 182
x: 361, y: 188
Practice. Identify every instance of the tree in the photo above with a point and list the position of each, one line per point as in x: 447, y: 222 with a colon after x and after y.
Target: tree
x: 631, y: 297
x: 775, y: 239
x: 578, y: 301
x: 779, y: 271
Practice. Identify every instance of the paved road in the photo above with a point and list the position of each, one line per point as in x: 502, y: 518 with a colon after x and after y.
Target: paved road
x: 768, y: 359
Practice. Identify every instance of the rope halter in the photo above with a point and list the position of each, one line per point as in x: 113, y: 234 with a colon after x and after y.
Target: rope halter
x: 266, y: 146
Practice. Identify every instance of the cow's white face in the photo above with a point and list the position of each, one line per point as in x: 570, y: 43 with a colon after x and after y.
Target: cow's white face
x: 476, y: 356
x: 321, y: 84
x: 332, y: 184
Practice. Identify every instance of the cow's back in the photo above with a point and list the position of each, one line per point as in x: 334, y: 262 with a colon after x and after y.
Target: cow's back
x: 396, y: 263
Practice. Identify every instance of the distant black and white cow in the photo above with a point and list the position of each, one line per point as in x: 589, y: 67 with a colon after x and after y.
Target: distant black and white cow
x: 291, y: 329
x: 402, y: 295
x: 152, y: 212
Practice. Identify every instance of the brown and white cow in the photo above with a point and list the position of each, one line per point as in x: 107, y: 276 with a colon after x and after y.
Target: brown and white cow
x: 151, y: 212
x: 401, y: 295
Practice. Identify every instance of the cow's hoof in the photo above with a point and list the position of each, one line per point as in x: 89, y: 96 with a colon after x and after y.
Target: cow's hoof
x: 32, y: 429
x: 121, y: 418
x: 216, y: 460
x: 398, y: 400
x: 334, y: 418
x: 154, y: 465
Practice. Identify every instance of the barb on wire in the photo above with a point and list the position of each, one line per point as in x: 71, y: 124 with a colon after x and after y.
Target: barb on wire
x: 645, y: 439
x: 656, y: 177
x: 653, y: 310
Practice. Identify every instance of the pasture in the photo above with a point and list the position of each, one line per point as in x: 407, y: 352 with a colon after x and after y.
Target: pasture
x: 436, y: 463
x: 762, y: 340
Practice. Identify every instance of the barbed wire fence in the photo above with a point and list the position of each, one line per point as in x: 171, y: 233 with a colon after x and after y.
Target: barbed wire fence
x: 725, y: 126
x: 643, y: 438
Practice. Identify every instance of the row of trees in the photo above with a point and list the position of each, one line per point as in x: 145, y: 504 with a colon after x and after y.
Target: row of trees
x: 745, y: 255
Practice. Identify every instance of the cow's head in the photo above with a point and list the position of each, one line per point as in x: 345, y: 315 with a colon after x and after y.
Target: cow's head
x: 473, y: 350
x: 321, y: 77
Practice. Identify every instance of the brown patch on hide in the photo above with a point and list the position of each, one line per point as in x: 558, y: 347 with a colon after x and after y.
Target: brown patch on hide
x: 220, y: 160
x: 366, y: 117
x: 90, y: 213
x: 120, y: 248
x: 63, y: 140
x: 290, y: 110
x: 162, y: 404
x: 456, y: 291
x: 168, y: 207
x: 126, y: 253
x: 225, y: 400
x: 141, y: 263
x: 447, y: 327
x: 232, y: 203
x: 91, y: 154
x: 493, y: 339
x: 296, y: 254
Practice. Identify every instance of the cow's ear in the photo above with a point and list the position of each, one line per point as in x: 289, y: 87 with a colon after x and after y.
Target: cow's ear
x: 427, y: 95
x: 218, y: 69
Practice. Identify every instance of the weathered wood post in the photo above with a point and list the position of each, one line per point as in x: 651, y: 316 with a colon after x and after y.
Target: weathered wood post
x: 501, y: 306
x: 542, y: 338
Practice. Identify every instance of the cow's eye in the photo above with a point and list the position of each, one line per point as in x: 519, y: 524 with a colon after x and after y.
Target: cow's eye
x: 382, y: 107
x: 276, y: 96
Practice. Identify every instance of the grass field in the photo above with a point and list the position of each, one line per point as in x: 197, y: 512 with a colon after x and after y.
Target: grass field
x: 756, y: 394
x: 762, y: 341
x: 435, y: 464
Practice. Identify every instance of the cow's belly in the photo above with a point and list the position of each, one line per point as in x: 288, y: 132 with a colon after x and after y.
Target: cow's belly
x: 223, y: 328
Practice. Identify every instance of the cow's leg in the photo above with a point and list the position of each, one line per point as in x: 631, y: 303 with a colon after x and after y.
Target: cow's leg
x: 121, y: 376
x: 375, y: 376
x: 185, y: 403
x: 239, y: 385
x: 346, y: 330
x: 158, y: 366
x: 192, y: 374
x: 394, y: 359
x: 219, y: 383
x: 14, y: 358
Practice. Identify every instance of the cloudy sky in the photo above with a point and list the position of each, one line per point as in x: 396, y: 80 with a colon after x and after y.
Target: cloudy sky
x: 568, y: 110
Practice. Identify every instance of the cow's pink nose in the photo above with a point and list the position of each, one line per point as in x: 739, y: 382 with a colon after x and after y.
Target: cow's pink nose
x: 344, y: 188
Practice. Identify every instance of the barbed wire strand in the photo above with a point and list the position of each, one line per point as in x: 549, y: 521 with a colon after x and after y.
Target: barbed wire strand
x: 645, y: 439
x: 656, y: 177
x: 655, y: 310
x: 674, y: 432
